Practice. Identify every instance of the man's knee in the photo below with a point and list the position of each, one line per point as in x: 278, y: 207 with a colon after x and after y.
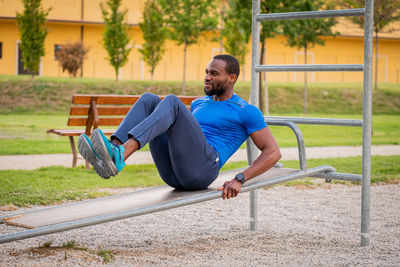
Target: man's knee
x: 149, y: 97
x: 173, y: 99
x: 149, y: 100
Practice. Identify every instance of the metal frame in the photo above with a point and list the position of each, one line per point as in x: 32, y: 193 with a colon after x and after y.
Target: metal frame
x: 326, y: 172
x: 367, y: 105
x: 202, y: 197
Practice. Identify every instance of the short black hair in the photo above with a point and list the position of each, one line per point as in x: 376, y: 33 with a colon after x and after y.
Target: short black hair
x: 232, y: 64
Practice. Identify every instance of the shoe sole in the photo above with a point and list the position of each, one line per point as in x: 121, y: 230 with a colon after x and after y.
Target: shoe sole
x: 101, y: 149
x: 86, y: 151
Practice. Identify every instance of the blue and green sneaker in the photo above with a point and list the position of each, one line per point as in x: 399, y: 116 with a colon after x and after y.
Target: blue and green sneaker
x: 87, y: 151
x: 109, y: 152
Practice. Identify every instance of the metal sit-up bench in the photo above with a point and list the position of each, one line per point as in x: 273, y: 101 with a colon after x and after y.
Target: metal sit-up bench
x: 91, y: 212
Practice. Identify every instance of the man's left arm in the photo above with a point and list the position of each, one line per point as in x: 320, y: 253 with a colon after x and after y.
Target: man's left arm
x: 270, y: 154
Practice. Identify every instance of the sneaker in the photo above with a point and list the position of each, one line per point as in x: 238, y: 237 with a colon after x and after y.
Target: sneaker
x: 87, y: 151
x: 109, y: 152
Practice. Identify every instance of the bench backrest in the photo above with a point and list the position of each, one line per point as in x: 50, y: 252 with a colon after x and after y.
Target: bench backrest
x: 93, y: 111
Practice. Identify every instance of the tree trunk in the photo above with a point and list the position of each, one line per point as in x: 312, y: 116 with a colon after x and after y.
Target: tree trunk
x: 376, y: 60
x: 305, y: 83
x: 184, y: 69
x: 221, y: 39
x: 260, y: 88
x: 152, y: 75
x: 266, y: 91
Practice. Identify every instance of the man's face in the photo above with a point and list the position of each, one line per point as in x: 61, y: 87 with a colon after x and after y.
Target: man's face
x: 216, y: 80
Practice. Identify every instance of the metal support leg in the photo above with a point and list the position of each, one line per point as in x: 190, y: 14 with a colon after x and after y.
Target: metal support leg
x: 73, y: 149
x: 367, y: 125
x: 251, y: 156
x: 253, y: 210
x: 254, y: 100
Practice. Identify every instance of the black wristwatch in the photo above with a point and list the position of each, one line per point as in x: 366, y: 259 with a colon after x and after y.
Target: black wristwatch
x: 240, y: 177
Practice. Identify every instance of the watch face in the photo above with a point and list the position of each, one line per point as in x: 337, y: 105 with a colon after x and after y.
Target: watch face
x: 240, y: 177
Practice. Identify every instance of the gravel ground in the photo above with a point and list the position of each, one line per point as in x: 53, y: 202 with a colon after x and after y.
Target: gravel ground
x: 299, y: 226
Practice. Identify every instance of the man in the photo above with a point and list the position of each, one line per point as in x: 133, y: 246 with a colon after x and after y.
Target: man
x: 189, y: 147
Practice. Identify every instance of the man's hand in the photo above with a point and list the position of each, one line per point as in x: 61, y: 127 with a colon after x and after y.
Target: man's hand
x: 230, y: 188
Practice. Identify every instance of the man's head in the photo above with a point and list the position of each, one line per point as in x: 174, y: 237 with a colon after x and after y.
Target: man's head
x: 221, y: 75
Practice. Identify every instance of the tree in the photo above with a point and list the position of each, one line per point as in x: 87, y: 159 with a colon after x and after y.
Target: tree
x: 269, y: 29
x: 306, y: 33
x: 237, y: 29
x: 116, y: 35
x: 186, y: 20
x: 71, y: 57
x: 154, y: 34
x: 237, y: 33
x: 33, y: 33
x: 385, y: 12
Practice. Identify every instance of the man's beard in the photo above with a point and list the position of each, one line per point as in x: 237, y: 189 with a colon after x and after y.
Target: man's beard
x: 220, y: 90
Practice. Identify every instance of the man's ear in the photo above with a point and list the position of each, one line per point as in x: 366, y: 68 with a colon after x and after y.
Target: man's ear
x: 232, y: 77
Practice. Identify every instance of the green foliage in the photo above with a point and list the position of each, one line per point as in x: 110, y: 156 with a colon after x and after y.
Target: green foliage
x: 270, y: 29
x: 307, y: 32
x: 71, y: 57
x: 107, y: 255
x: 385, y: 12
x: 33, y: 33
x: 46, y: 244
x: 116, y: 35
x: 154, y: 34
x: 186, y: 20
x: 237, y: 29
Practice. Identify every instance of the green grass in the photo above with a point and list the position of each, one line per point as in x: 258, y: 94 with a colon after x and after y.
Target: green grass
x: 54, y: 185
x: 59, y: 184
x: 386, y: 130
x: 21, y: 94
x: 26, y: 134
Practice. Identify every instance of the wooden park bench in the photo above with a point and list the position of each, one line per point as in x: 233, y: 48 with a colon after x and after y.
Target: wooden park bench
x: 92, y: 111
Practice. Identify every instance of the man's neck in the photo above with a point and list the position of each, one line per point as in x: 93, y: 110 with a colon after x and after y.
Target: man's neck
x: 226, y: 96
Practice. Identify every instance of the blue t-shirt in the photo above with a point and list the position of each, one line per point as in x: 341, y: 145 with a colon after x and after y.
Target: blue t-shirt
x: 226, y: 124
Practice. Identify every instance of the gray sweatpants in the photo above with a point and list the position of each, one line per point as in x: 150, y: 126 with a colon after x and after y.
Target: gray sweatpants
x: 183, y: 157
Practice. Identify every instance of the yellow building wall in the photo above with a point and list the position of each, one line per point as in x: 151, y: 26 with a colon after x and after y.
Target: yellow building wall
x: 71, y: 10
x: 65, y: 23
x: 8, y: 37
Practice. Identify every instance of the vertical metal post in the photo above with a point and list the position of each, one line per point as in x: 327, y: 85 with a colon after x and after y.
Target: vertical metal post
x: 367, y: 124
x: 254, y: 100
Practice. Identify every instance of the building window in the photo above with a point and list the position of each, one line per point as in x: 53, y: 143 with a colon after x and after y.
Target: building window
x: 56, y: 49
x: 1, y: 49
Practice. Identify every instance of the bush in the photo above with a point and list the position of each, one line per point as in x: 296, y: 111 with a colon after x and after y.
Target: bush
x: 71, y: 57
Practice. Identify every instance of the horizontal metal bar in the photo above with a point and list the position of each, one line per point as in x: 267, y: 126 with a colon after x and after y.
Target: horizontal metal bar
x: 273, y: 120
x: 306, y: 67
x: 154, y: 208
x: 339, y: 176
x: 311, y: 14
